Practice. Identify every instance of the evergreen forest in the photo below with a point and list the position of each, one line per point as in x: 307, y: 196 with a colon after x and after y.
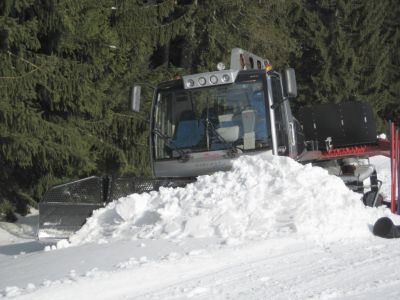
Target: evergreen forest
x: 66, y: 67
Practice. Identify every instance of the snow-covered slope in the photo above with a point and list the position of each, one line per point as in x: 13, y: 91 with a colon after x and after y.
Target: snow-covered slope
x: 268, y: 229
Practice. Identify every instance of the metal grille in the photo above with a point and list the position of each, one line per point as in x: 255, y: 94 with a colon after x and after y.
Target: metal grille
x: 122, y: 187
x: 65, y: 208
x: 96, y: 190
x: 88, y: 190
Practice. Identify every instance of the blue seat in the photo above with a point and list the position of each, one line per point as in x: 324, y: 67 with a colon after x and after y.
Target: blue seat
x: 189, y: 131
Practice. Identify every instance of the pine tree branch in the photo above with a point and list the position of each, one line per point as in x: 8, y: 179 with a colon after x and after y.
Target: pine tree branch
x: 35, y: 68
x: 156, y: 5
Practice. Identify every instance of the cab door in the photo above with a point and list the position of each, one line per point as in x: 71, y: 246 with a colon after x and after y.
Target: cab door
x: 281, y: 117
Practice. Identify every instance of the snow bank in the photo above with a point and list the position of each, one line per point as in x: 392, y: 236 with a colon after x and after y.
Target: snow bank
x: 21, y: 231
x: 262, y: 196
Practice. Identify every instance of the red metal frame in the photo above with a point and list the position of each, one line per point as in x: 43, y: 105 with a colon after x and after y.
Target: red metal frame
x: 394, y: 162
x: 398, y: 168
x: 382, y: 148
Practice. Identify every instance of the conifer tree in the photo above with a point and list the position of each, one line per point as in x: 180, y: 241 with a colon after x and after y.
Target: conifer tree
x: 371, y: 43
x: 346, y: 51
x: 65, y: 82
x: 214, y: 28
x: 390, y: 85
x: 66, y: 69
x: 311, y: 33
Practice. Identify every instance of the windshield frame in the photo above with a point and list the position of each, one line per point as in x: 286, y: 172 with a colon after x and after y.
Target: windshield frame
x: 177, y: 85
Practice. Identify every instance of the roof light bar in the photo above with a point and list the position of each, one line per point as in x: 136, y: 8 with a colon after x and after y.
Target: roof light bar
x: 209, y: 79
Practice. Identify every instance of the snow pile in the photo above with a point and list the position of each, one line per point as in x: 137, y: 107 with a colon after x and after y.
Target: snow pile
x: 382, y: 165
x: 262, y: 196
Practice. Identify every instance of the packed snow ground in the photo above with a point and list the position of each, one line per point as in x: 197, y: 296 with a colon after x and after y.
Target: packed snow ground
x: 268, y: 229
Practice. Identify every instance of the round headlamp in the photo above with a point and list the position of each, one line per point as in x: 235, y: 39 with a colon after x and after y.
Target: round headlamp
x: 226, y: 78
x: 190, y: 83
x: 213, y: 79
x: 202, y: 81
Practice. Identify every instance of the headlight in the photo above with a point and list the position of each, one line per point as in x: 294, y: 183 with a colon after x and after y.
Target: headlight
x: 202, y: 81
x: 213, y: 79
x: 225, y: 78
x: 190, y: 83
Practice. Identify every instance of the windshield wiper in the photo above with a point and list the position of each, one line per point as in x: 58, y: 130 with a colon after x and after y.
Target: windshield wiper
x: 233, y: 151
x: 170, y: 143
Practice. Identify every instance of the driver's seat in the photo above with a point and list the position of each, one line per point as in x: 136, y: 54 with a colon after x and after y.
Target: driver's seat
x: 189, y: 131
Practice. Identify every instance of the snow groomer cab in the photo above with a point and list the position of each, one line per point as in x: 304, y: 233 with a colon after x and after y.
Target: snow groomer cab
x: 201, y: 122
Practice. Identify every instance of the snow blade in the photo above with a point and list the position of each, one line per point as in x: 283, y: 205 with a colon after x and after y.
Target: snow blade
x: 65, y: 208
x: 385, y: 228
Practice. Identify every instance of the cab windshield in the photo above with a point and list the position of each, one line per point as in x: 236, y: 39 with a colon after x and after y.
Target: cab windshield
x: 215, y: 118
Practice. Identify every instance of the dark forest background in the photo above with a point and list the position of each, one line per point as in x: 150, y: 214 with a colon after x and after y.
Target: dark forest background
x: 66, y: 67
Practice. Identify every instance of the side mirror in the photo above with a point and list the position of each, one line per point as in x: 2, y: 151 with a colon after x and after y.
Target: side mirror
x: 134, y: 99
x: 289, y: 83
